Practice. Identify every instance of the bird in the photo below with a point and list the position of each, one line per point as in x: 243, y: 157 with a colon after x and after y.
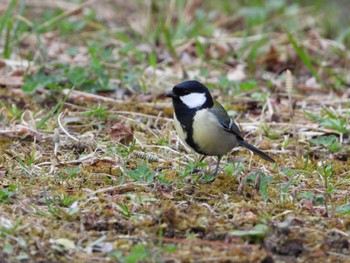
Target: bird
x: 203, y: 124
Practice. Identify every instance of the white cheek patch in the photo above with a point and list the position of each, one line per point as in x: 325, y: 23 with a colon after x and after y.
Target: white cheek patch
x: 194, y: 100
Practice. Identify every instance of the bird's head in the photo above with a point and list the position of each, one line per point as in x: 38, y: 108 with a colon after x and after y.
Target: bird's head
x: 191, y: 93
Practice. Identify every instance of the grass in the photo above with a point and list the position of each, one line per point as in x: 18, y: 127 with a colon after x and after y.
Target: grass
x: 76, y: 186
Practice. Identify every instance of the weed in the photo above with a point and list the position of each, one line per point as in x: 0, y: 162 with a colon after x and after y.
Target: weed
x: 326, y: 172
x: 330, y: 120
x: 261, y: 182
x: 138, y: 253
x: 306, y: 195
x: 50, y: 202
x: 97, y: 55
x: 343, y: 209
x: 77, y: 76
x: 234, y: 168
x: 73, y: 171
x: 285, y: 189
x: 121, y: 149
x: 5, y: 195
x: 124, y: 210
x: 42, y: 80
x: 98, y: 112
x: 66, y: 200
x: 54, y: 111
x: 162, y: 178
x: 292, y: 177
x: 14, y: 112
x: 330, y: 142
x: 141, y: 174
x: 190, y: 168
x: 240, y: 87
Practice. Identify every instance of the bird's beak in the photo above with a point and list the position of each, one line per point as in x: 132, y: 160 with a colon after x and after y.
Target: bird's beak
x: 170, y: 95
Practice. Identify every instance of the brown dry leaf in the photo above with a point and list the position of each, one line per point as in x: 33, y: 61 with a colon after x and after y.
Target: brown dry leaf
x: 121, y: 132
x: 307, y: 204
x: 11, y: 81
x: 273, y: 60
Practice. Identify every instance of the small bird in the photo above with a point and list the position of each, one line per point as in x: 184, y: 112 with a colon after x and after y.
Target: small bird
x: 204, y: 125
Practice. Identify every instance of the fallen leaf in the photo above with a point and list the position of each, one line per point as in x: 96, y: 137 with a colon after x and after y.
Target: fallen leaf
x: 11, y: 81
x: 121, y: 132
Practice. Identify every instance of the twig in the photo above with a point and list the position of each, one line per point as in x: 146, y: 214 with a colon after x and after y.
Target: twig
x: 144, y: 115
x: 64, y: 130
x: 82, y: 94
x: 79, y: 161
x: 56, y: 139
x: 117, y: 188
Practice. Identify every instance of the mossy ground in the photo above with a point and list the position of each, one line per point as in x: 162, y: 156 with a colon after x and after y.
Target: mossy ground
x: 91, y: 169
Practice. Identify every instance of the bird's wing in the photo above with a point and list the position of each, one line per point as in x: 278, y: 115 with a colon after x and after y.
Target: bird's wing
x: 230, y: 126
x: 225, y: 121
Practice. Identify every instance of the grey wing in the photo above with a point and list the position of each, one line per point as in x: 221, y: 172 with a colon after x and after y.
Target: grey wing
x: 225, y: 121
x: 232, y: 127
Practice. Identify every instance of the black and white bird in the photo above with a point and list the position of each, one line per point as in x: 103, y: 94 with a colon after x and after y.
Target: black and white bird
x: 204, y: 125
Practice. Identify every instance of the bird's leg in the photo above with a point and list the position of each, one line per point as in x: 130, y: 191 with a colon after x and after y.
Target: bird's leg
x: 202, y: 158
x: 195, y: 170
x: 216, y: 170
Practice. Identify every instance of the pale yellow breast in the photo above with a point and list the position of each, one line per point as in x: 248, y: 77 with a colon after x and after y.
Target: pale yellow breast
x: 180, y: 132
x: 210, y: 136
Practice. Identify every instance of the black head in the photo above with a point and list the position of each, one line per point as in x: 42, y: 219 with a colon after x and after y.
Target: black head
x: 191, y: 93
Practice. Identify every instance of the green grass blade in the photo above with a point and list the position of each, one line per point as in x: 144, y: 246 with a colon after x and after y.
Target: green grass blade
x: 329, y: 113
x: 200, y: 49
x: 7, y: 22
x: 7, y: 46
x: 6, y: 16
x: 314, y: 117
x: 42, y: 122
x: 57, y: 109
x: 303, y: 55
x: 169, y: 41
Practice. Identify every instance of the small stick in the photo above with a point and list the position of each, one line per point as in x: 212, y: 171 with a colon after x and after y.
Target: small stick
x: 64, y: 130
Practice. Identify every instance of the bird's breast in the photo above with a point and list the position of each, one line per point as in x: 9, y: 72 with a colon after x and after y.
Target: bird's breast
x: 210, y: 136
x: 179, y: 129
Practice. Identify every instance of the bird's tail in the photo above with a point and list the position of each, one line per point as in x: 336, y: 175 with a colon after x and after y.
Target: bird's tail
x: 256, y: 150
